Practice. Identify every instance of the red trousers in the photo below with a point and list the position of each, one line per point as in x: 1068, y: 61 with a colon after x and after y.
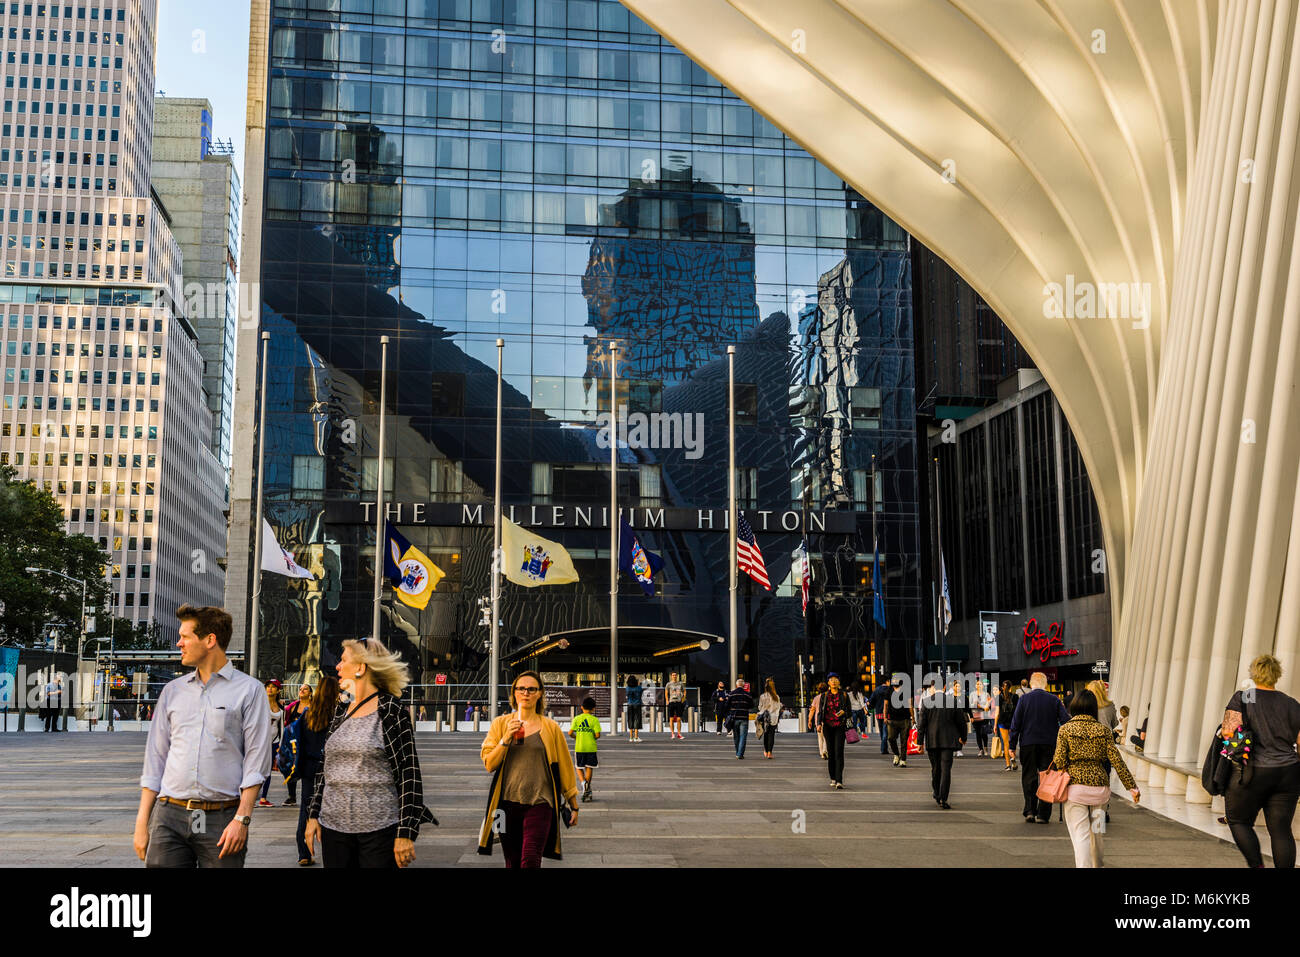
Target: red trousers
x: 524, y: 837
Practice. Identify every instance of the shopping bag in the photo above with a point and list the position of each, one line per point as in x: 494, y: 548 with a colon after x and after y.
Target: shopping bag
x: 851, y: 736
x: 997, y: 747
x: 913, y: 746
x: 821, y: 742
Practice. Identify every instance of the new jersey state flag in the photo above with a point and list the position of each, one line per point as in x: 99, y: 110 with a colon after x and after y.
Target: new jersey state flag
x: 413, y: 576
x: 531, y: 560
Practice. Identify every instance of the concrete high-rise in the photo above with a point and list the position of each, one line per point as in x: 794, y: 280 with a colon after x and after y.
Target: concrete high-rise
x: 102, y: 379
x: 196, y: 179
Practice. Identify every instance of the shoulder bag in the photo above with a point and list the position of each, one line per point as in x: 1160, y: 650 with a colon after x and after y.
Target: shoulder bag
x: 1235, y: 751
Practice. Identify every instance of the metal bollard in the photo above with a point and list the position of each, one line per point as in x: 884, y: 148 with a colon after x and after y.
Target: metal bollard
x: 659, y: 720
x: 803, y: 720
x: 437, y: 722
x: 691, y: 717
x: 476, y: 713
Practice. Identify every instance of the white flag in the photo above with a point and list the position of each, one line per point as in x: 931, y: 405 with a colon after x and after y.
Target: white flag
x: 276, y: 559
x: 945, y: 603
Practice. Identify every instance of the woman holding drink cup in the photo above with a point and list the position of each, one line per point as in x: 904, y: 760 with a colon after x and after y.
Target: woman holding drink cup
x: 532, y: 779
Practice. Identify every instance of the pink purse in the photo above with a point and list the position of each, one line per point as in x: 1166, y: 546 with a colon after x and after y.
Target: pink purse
x: 1053, y: 786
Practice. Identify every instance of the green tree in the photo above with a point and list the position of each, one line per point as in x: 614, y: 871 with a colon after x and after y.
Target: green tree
x: 33, y: 534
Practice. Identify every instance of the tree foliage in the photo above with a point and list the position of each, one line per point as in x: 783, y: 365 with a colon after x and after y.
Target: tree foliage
x: 33, y: 534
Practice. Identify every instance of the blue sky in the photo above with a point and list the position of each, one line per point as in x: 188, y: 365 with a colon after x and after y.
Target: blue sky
x: 212, y: 62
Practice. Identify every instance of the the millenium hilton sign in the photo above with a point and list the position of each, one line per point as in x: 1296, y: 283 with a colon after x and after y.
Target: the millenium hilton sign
x: 457, y: 514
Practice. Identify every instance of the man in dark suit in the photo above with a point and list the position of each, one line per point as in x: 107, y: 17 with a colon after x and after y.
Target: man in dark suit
x: 941, y: 723
x: 1037, y: 718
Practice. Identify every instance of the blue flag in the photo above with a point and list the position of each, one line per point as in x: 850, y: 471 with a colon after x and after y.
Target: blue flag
x: 635, y: 559
x: 878, y: 601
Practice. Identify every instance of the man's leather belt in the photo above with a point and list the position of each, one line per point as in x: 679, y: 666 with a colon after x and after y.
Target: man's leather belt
x: 194, y: 805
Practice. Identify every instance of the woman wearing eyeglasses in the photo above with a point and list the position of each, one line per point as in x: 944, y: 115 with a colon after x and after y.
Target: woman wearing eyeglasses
x: 532, y: 779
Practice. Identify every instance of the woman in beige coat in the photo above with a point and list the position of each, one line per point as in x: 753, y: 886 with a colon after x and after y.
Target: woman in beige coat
x: 532, y: 778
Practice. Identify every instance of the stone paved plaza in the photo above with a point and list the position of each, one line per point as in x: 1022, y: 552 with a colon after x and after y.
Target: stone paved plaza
x: 69, y: 800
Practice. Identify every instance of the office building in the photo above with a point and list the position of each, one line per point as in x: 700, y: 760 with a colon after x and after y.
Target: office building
x: 565, y: 182
x: 194, y: 174
x: 102, y: 398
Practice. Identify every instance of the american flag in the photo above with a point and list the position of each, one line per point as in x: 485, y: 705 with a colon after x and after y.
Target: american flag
x: 748, y: 558
x: 805, y: 574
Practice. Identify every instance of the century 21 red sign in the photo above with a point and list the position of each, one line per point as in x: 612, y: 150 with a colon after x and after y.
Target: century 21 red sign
x: 1046, y: 646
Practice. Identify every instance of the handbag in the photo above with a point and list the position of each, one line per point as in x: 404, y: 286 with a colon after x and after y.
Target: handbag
x: 566, y: 815
x: 729, y: 723
x: 996, y: 750
x: 1053, y: 786
x: 821, y: 743
x: 913, y: 745
x: 851, y: 736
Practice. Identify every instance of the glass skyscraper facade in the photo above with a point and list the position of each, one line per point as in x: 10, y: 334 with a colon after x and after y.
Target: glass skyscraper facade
x: 553, y: 172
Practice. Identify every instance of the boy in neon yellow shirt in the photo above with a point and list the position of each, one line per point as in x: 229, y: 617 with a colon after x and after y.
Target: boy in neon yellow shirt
x: 585, y: 731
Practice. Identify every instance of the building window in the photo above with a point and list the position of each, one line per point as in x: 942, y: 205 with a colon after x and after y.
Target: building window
x: 370, y: 474
x: 805, y: 407
x: 446, y: 481
x: 588, y: 483
x: 447, y: 398
x: 308, y: 476
x: 746, y: 403
x: 865, y: 407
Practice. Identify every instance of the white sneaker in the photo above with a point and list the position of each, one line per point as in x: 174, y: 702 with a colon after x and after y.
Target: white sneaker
x: 895, y: 760
x: 957, y: 755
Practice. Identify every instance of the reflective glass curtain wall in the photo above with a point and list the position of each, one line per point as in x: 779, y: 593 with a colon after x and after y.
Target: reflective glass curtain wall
x: 556, y: 174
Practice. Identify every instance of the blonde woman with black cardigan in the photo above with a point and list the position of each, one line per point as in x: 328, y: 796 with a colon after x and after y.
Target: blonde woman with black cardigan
x: 532, y: 779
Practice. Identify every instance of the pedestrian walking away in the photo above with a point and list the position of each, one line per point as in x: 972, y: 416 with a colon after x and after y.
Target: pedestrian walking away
x: 833, y: 716
x: 1085, y: 750
x: 294, y: 712
x: 981, y: 714
x: 208, y: 751
x: 1038, y: 716
x: 769, y: 715
x: 739, y: 704
x: 1004, y: 711
x: 719, y: 708
x: 368, y: 802
x: 313, y: 729
x: 876, y: 705
x: 898, y: 719
x: 941, y: 724
x: 277, y: 729
x: 634, y: 692
x: 675, y: 692
x: 1269, y: 779
x: 532, y: 779
x: 858, y: 720
x: 585, y: 731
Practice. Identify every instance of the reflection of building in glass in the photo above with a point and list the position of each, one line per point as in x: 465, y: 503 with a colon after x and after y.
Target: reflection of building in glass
x: 670, y: 298
x: 547, y: 199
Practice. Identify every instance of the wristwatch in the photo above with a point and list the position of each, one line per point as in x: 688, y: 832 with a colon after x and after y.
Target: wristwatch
x: 244, y: 819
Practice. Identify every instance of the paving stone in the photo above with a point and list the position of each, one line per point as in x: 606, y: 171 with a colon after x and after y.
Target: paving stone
x: 70, y: 800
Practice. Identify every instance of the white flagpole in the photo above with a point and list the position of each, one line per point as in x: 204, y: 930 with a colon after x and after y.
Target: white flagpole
x: 938, y: 608
x: 254, y: 625
x: 613, y: 538
x: 494, y: 658
x: 731, y: 511
x: 379, y: 484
